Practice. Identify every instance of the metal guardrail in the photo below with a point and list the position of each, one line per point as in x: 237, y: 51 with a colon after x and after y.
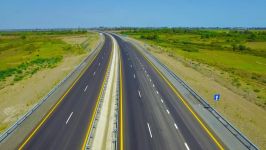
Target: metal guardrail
x: 243, y: 139
x: 116, y: 122
x: 10, y: 130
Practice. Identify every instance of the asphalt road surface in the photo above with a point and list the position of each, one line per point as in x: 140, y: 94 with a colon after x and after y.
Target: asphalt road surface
x: 154, y: 117
x: 66, y: 128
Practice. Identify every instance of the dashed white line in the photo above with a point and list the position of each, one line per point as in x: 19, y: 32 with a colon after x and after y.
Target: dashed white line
x: 99, y: 64
x: 167, y: 111
x: 85, y: 88
x: 187, y: 146
x: 162, y: 100
x: 157, y: 92
x: 139, y: 94
x: 150, y: 80
x: 149, y: 129
x: 152, y: 85
x: 176, y: 126
x: 134, y: 76
x: 94, y: 73
x: 130, y: 66
x: 69, y: 117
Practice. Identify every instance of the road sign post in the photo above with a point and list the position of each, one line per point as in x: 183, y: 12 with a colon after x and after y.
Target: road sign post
x: 216, y: 97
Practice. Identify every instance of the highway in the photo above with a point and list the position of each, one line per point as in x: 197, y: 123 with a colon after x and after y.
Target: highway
x: 153, y: 116
x: 66, y: 126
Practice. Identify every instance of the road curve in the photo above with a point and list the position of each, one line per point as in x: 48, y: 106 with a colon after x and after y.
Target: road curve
x: 153, y: 116
x: 67, y: 125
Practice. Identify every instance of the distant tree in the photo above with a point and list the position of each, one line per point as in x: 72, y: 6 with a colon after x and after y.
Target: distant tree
x: 234, y: 47
x: 252, y: 37
x: 23, y: 37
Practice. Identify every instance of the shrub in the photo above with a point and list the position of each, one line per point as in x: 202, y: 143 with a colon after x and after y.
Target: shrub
x: 190, y: 49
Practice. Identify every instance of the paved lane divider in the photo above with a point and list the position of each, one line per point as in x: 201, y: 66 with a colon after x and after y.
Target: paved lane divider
x: 149, y: 129
x: 69, y: 117
x: 86, y: 88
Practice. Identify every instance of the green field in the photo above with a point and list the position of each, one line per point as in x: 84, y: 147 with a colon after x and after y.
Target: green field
x: 241, y: 53
x: 22, y: 54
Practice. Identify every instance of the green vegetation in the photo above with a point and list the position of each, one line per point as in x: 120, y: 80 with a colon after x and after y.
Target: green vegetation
x: 241, y: 53
x: 22, y: 54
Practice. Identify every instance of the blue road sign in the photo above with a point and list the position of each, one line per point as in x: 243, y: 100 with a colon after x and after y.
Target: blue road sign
x: 216, y: 97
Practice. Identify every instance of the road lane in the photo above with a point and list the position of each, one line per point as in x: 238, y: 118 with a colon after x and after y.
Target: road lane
x: 56, y: 133
x: 171, y: 125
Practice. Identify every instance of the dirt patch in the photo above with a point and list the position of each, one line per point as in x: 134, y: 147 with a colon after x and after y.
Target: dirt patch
x: 245, y: 115
x: 77, y: 39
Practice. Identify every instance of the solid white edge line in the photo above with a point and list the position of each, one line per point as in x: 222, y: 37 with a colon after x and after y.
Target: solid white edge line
x: 69, y: 117
x: 149, y: 129
x: 187, y: 146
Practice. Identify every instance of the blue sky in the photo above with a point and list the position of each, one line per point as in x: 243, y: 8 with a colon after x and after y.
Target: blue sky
x: 21, y: 14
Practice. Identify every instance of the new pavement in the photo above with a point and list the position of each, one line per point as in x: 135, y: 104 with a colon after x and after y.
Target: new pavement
x: 154, y: 117
x: 67, y: 126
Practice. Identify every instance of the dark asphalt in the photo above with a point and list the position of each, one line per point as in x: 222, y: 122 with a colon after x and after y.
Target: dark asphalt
x: 61, y: 131
x: 154, y: 117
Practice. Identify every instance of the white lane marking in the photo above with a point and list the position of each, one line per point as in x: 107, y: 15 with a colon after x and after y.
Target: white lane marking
x: 94, y: 73
x: 102, y: 57
x: 99, y: 64
x: 167, y: 111
x: 187, y: 146
x: 176, y: 126
x: 130, y: 66
x: 69, y: 117
x: 139, y: 94
x: 152, y: 85
x: 162, y: 100
x: 149, y: 129
x: 86, y: 88
x: 150, y: 80
x: 157, y: 92
x: 134, y: 76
